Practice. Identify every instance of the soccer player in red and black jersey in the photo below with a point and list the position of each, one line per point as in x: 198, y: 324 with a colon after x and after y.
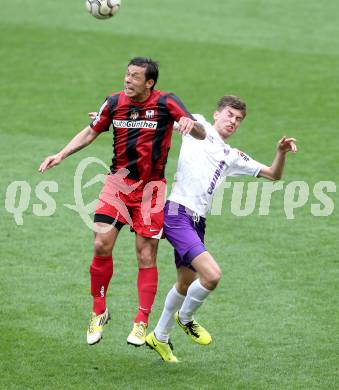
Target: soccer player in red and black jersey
x: 142, y: 120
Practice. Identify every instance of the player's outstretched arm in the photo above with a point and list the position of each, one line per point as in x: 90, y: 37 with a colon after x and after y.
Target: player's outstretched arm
x: 81, y: 140
x: 189, y: 126
x: 275, y: 171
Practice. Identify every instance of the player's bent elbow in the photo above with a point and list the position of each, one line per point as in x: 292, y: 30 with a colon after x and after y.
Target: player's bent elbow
x: 198, y: 131
x: 273, y: 178
x: 270, y: 175
x: 202, y: 136
x: 276, y: 177
x: 198, y: 134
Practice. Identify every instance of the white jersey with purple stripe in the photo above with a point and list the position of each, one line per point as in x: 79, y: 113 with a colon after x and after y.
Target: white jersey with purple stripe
x: 203, y: 165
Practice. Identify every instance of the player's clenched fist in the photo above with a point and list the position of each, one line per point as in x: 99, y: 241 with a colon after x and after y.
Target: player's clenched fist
x: 185, y: 125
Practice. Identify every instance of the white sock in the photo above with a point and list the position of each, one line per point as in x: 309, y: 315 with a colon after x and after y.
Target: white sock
x: 196, y: 295
x: 172, y: 304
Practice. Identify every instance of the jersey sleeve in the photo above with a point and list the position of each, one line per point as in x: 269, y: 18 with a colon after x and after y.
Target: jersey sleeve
x: 242, y: 164
x: 176, y: 107
x: 103, y: 119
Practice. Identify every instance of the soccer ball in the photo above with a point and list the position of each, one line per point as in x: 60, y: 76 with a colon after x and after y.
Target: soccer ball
x: 103, y: 9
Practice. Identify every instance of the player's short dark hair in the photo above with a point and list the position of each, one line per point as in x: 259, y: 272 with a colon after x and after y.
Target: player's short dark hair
x: 152, y: 67
x: 232, y: 101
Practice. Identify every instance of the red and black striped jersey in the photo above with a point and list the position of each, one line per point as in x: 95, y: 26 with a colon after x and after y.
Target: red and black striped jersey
x: 142, y: 132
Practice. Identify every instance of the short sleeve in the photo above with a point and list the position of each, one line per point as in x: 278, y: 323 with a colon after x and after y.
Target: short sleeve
x: 103, y: 119
x: 242, y: 164
x: 176, y: 107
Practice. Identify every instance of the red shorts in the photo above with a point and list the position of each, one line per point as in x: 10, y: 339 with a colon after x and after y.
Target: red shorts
x: 131, y: 202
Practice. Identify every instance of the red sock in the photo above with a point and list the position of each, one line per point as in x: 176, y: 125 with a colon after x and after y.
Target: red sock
x: 147, y: 288
x: 101, y: 271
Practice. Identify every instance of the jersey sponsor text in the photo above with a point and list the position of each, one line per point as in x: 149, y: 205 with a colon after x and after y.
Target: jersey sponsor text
x: 135, y: 124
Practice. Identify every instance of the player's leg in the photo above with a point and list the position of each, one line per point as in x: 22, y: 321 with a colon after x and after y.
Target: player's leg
x: 179, y: 231
x: 147, y: 283
x: 148, y: 220
x: 185, y: 231
x: 159, y: 338
x: 209, y: 276
x: 185, y: 277
x: 110, y: 216
x: 101, y: 268
x: 173, y: 302
x: 101, y: 271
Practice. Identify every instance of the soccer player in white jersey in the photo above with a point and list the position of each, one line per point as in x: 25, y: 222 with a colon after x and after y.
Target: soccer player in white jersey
x: 201, y: 167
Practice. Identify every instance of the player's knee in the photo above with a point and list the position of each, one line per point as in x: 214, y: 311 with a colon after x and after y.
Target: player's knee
x: 212, y: 280
x: 102, y: 247
x: 216, y: 279
x: 146, y: 257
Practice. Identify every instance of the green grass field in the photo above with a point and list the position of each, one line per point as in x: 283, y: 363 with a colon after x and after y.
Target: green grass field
x: 274, y: 316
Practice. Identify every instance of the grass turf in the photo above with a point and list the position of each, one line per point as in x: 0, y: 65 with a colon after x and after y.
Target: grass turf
x: 274, y: 316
